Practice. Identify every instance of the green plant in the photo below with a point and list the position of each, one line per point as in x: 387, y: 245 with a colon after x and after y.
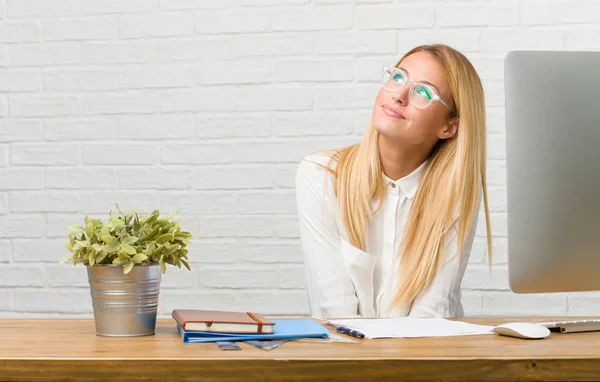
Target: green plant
x: 128, y: 239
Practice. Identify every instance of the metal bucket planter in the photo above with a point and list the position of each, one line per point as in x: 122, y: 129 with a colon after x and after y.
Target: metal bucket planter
x: 125, y: 305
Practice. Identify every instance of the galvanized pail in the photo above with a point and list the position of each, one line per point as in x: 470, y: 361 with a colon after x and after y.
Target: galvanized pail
x: 124, y: 305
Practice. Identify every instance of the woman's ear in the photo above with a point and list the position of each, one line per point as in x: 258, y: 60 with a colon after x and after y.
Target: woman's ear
x: 450, y: 130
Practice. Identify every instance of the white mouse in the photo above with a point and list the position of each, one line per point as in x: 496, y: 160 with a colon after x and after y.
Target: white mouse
x: 528, y: 330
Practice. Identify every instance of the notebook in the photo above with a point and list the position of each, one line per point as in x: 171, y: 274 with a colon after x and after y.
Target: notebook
x: 282, y: 330
x: 222, y: 321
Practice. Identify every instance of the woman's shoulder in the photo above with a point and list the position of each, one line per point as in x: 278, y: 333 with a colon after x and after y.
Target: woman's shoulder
x: 321, y: 159
x: 317, y: 167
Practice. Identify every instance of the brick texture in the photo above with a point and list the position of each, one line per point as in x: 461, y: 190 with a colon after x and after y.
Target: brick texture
x: 208, y: 106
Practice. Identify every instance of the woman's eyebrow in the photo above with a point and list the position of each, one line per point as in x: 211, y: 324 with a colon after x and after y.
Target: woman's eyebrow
x: 423, y: 81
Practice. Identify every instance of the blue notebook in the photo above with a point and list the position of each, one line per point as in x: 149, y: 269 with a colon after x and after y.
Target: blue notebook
x: 282, y: 330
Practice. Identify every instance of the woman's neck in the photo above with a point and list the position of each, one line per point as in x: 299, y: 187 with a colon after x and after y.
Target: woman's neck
x: 399, y: 161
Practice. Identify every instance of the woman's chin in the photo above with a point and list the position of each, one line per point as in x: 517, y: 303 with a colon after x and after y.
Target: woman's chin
x: 389, y: 129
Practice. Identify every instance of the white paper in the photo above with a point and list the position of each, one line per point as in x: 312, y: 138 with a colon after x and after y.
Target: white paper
x: 410, y: 327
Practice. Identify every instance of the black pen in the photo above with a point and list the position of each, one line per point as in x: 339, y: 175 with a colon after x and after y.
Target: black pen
x: 350, y: 332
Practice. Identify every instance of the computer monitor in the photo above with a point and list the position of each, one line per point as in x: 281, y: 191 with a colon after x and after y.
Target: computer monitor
x: 553, y: 170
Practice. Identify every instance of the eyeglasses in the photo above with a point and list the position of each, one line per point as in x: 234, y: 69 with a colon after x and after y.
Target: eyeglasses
x: 420, y: 95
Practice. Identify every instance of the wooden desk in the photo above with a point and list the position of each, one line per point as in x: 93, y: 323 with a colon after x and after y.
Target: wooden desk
x: 68, y: 349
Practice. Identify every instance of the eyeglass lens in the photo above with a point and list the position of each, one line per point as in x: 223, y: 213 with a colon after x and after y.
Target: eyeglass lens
x: 420, y: 95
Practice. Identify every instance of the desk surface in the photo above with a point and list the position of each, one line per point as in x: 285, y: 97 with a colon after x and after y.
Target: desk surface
x: 68, y: 349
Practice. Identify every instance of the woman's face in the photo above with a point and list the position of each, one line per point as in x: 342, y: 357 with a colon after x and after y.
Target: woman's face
x: 397, y: 119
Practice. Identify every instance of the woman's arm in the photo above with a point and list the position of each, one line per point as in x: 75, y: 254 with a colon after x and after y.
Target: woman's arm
x: 330, y: 290
x: 442, y: 298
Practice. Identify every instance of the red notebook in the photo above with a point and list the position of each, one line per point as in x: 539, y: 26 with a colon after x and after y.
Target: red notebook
x: 222, y: 321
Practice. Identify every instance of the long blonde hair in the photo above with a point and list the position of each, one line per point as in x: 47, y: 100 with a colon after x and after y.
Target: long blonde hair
x: 450, y: 182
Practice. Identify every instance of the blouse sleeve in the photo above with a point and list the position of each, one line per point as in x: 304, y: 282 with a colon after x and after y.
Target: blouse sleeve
x: 330, y: 289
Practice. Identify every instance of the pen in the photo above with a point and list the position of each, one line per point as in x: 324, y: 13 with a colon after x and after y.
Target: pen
x: 350, y: 332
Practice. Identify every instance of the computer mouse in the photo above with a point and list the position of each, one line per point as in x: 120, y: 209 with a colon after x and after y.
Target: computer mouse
x: 528, y: 330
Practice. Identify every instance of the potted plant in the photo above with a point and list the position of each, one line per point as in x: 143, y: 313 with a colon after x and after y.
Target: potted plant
x: 124, y: 260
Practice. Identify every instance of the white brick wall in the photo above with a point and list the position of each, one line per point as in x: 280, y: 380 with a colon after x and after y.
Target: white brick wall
x: 208, y: 106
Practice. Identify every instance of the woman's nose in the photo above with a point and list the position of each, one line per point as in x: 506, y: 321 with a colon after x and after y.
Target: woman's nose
x: 401, y: 95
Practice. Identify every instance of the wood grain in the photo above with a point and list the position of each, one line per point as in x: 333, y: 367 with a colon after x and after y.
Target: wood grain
x: 68, y: 349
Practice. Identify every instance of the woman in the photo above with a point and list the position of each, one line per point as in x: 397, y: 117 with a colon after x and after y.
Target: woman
x: 387, y: 224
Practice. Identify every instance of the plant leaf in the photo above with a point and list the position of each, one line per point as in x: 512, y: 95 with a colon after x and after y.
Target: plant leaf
x: 97, y: 247
x: 128, y: 249
x: 177, y: 261
x: 110, y: 240
x: 183, y: 253
x: 122, y: 255
x: 115, y: 222
x: 128, y: 267
x: 163, y: 267
x: 118, y: 261
x: 165, y: 238
x: 183, y: 236
x: 170, y: 249
x: 186, y: 264
x: 152, y: 218
x: 75, y: 229
x: 104, y: 231
x: 155, y: 231
x: 150, y: 249
x: 130, y: 240
x: 172, y: 215
x: 138, y: 258
x: 162, y: 222
x: 109, y: 249
x: 159, y: 250
x: 66, y: 258
x: 80, y: 244
x: 100, y: 256
x: 89, y: 229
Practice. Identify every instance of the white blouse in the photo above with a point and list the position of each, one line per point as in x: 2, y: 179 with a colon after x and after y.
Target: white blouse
x: 343, y: 281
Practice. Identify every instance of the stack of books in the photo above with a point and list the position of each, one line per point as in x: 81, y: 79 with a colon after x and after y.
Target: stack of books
x: 200, y: 326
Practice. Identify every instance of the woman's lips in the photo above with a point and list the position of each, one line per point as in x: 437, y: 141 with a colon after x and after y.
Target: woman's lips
x: 391, y: 112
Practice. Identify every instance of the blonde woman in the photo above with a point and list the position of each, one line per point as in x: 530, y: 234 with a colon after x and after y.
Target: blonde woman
x: 387, y: 224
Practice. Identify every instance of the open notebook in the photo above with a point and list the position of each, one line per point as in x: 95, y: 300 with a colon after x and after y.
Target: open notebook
x: 410, y: 327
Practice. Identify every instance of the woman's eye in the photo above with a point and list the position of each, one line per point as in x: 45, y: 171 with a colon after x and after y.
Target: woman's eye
x: 398, y: 77
x: 422, y: 91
